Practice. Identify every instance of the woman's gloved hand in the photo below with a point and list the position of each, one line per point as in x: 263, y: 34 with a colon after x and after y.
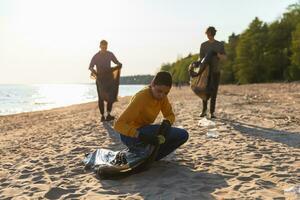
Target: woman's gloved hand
x: 152, y: 139
x: 164, y: 127
x: 158, y: 137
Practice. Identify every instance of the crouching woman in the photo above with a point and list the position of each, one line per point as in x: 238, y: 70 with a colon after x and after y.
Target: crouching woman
x: 135, y: 124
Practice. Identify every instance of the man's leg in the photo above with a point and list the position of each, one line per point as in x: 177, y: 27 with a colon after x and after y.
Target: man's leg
x: 216, y: 81
x: 100, y: 102
x: 109, y: 108
x: 204, y: 108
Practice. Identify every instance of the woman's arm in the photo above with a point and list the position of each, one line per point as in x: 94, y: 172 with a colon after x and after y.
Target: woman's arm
x: 123, y: 125
x: 167, y: 110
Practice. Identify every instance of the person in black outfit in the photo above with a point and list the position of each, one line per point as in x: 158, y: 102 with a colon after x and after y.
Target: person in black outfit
x: 212, y: 45
x: 103, y: 74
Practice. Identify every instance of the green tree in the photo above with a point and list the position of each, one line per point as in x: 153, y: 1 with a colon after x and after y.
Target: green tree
x: 294, y: 70
x: 165, y: 67
x: 276, y: 52
x: 292, y: 18
x: 250, y: 66
x: 228, y: 69
x: 262, y: 53
x: 179, y: 69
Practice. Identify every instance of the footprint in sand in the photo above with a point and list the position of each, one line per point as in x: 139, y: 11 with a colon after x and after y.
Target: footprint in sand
x: 55, y: 170
x: 255, y: 176
x: 282, y: 175
x: 206, y: 164
x: 24, y: 176
x: 26, y: 171
x: 35, y: 189
x: 48, y: 165
x: 237, y: 187
x: 282, y: 168
x: 265, y: 184
x: 57, y: 192
x: 244, y: 178
x: 7, y: 166
x: 37, y: 177
x: 34, y: 161
x: 45, y: 159
x: 78, y: 150
x: 73, y: 196
x: 266, y: 167
x: 4, y: 182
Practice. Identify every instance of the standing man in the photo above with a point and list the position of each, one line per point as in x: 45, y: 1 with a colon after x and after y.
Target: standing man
x: 104, y: 78
x: 212, y: 45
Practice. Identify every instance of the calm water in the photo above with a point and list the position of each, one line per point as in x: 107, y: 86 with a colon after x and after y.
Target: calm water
x: 25, y: 98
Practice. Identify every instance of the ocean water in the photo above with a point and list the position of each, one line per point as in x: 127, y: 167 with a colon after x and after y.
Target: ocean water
x: 26, y: 98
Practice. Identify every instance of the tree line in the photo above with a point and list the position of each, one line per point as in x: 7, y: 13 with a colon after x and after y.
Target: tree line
x: 136, y: 79
x: 262, y: 53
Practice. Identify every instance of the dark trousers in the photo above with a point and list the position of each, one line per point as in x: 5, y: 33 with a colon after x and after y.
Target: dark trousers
x: 101, y: 101
x: 174, y: 138
x: 215, y: 80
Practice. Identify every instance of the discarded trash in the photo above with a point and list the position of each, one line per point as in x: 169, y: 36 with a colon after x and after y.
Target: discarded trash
x: 206, y: 123
x: 179, y: 126
x: 295, y: 189
x: 212, y: 133
x: 211, y: 128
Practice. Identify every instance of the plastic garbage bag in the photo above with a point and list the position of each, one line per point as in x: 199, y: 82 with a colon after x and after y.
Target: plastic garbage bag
x: 212, y: 133
x: 295, y: 190
x: 108, y: 157
x: 206, y: 123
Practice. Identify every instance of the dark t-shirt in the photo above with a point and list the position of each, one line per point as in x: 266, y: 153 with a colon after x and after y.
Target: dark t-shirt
x: 215, y: 46
x: 102, y: 60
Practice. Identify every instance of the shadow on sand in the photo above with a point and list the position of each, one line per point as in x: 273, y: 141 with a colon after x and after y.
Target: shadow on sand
x: 166, y: 180
x: 292, y: 139
x: 111, y: 132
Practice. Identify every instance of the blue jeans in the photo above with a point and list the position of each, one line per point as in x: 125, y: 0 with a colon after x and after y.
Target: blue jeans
x: 174, y: 138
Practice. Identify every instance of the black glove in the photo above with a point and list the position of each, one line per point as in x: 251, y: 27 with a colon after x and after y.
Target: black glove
x: 196, y: 64
x: 158, y: 137
x: 192, y: 66
x: 164, y: 127
x: 152, y: 139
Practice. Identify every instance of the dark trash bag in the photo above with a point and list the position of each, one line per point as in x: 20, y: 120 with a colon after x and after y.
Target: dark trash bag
x: 201, y: 81
x: 108, y: 81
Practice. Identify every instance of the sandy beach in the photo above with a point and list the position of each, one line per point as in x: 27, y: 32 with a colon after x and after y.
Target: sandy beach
x: 255, y: 155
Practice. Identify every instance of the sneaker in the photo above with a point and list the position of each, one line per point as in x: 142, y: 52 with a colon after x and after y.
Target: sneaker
x: 110, y: 118
x: 213, y: 116
x: 102, y: 118
x: 203, y: 114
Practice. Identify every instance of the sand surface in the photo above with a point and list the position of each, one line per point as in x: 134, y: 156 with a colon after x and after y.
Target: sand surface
x: 256, y: 154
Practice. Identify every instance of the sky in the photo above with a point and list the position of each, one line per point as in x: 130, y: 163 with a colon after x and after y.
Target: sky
x: 53, y: 41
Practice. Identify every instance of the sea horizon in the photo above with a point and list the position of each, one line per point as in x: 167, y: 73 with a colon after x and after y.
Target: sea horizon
x: 20, y: 98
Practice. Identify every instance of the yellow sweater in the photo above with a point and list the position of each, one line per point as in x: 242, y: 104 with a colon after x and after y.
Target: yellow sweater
x: 142, y: 110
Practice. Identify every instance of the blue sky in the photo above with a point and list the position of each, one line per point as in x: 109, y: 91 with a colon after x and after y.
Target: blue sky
x: 53, y: 41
